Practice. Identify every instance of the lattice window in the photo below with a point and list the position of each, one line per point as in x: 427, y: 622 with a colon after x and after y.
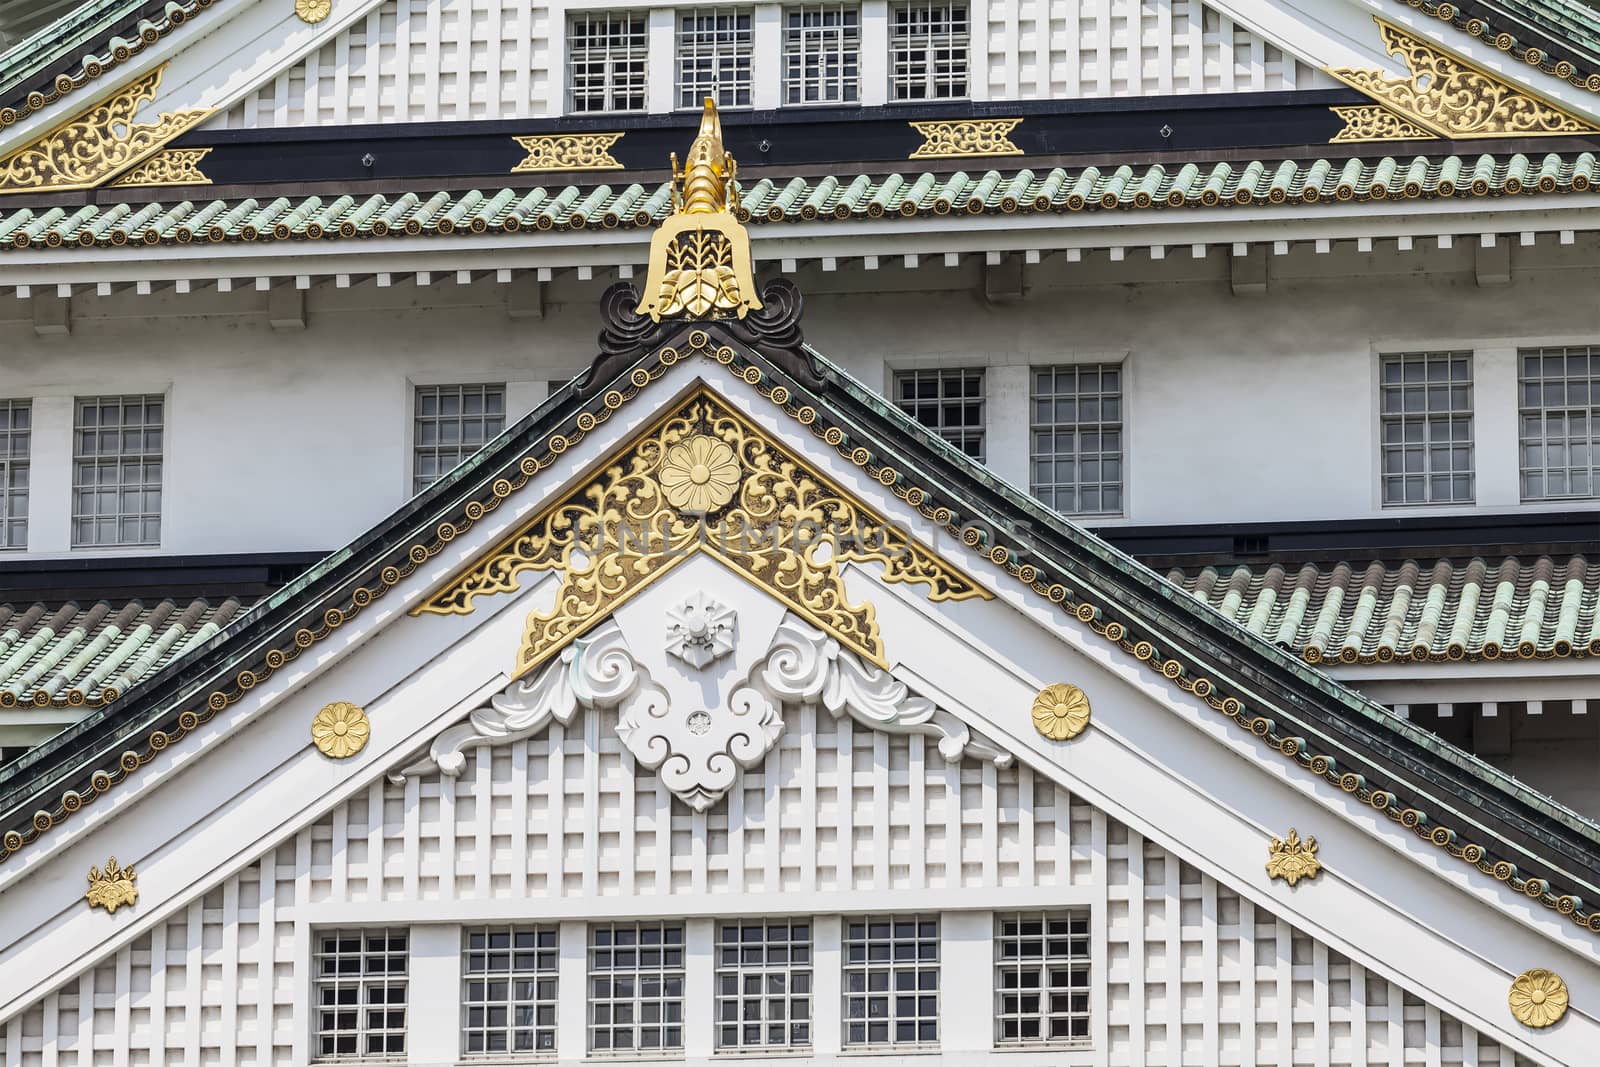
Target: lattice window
x: 1042, y: 978
x: 116, y: 471
x: 606, y: 60
x: 929, y: 50
x: 1076, y: 432
x: 1426, y: 416
x: 508, y: 1001
x: 764, y: 985
x: 715, y: 46
x: 891, y: 980
x: 822, y: 54
x: 1560, y: 422
x: 361, y: 994
x: 452, y: 422
x: 16, y: 433
x: 635, y: 987
x: 948, y: 402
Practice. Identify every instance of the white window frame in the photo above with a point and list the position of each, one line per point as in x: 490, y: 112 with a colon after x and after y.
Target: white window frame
x: 529, y: 975
x: 1427, y: 419
x: 783, y: 983
x: 481, y: 425
x: 872, y: 976
x: 930, y: 47
x: 98, y: 460
x: 957, y: 435
x: 16, y: 457
x: 604, y: 1003
x: 361, y: 981
x: 623, y: 40
x: 836, y: 46
x: 724, y: 42
x: 1586, y: 407
x: 1012, y: 985
x: 1080, y: 428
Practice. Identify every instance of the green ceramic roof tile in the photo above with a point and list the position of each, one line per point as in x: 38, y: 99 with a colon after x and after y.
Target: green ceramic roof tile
x: 65, y: 655
x: 821, y: 200
x: 1449, y: 610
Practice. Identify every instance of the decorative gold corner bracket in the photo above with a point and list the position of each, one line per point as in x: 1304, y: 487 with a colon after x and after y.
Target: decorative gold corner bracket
x: 1374, y: 122
x: 1449, y: 97
x: 1292, y: 859
x: 702, y: 480
x: 567, y: 151
x: 98, y: 142
x: 955, y: 138
x: 170, y: 166
x: 113, y: 887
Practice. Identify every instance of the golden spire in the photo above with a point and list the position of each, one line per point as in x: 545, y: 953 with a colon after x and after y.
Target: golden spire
x: 700, y: 265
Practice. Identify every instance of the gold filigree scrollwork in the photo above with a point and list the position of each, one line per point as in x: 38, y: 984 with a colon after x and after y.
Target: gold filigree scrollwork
x: 170, y: 166
x: 1374, y: 122
x: 112, y: 888
x: 1292, y: 859
x: 954, y: 138
x: 1452, y: 98
x: 567, y: 151
x: 702, y: 480
x: 700, y: 265
x: 97, y: 143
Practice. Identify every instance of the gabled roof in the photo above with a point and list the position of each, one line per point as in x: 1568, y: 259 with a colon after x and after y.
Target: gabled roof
x: 1460, y: 805
x: 835, y: 198
x: 1559, y: 37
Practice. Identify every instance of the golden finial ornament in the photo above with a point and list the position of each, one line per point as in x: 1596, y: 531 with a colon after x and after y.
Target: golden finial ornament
x: 113, y: 887
x: 340, y: 730
x: 1061, y: 711
x: 700, y: 264
x: 1538, y: 998
x: 1292, y: 859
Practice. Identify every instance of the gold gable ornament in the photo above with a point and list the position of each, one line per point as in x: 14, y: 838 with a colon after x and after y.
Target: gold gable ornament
x: 700, y: 264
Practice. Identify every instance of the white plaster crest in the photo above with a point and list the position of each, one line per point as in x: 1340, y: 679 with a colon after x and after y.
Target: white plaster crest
x: 700, y: 630
x: 698, y: 750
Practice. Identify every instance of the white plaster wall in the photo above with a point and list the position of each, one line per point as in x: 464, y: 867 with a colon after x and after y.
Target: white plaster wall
x: 1256, y: 407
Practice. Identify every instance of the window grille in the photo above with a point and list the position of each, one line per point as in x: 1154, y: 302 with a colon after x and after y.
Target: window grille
x: 1426, y: 417
x: 116, y: 471
x: 715, y: 46
x: 1560, y: 413
x: 948, y: 402
x: 635, y: 987
x: 928, y: 50
x: 764, y: 985
x: 1076, y: 454
x: 891, y: 981
x: 361, y: 994
x: 16, y: 433
x: 1042, y: 978
x: 508, y: 1001
x: 453, y: 422
x: 606, y: 61
x: 822, y: 54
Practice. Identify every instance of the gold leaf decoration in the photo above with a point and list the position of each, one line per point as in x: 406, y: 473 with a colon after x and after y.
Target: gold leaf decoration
x: 1061, y: 711
x: 567, y: 151
x: 1538, y: 998
x: 1453, y: 98
x: 340, y: 730
x: 113, y: 887
x: 170, y: 166
x: 97, y: 143
x: 313, y: 11
x: 1374, y: 122
x: 1292, y: 859
x: 700, y: 265
x: 784, y: 527
x: 953, y: 138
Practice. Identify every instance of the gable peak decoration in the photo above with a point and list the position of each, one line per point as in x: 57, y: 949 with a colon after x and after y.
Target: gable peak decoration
x: 700, y: 263
x: 1443, y: 95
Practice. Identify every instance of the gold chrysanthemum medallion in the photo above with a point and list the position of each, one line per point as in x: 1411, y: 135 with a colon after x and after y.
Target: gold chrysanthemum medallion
x: 340, y: 730
x: 1061, y: 711
x: 1538, y: 998
x: 700, y: 475
x: 313, y: 11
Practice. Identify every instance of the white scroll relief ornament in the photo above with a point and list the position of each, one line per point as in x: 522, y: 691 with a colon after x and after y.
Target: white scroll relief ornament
x: 805, y: 665
x: 700, y: 630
